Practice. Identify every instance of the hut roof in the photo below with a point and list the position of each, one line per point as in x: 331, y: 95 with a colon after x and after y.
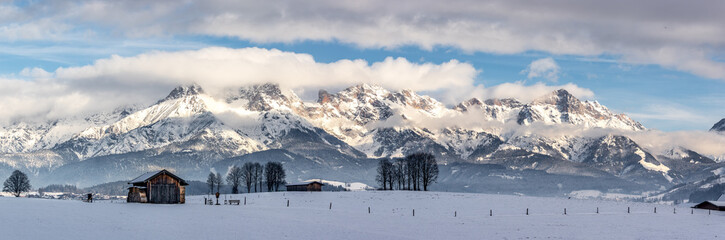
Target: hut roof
x: 717, y: 203
x: 149, y: 175
x: 304, y: 183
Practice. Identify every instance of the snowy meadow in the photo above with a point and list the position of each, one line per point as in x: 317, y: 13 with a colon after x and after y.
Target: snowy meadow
x: 357, y: 215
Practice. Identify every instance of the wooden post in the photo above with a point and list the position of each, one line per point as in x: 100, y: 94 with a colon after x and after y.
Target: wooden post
x: 455, y: 213
x: 674, y: 210
x: 708, y: 212
x: 627, y: 209
x: 597, y: 210
x: 245, y: 200
x: 413, y: 212
x: 368, y: 210
x: 490, y: 212
x: 692, y: 211
x: 527, y: 211
x: 330, y: 205
x: 564, y: 211
x: 655, y: 209
x: 287, y: 202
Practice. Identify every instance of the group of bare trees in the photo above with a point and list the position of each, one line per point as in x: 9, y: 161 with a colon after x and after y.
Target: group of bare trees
x: 214, y: 180
x: 274, y: 175
x: 413, y: 172
x: 253, y: 176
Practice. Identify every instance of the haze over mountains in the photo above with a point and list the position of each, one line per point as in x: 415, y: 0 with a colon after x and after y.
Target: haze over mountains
x: 551, y: 145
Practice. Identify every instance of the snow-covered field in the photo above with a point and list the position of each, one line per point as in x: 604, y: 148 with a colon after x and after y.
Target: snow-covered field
x: 437, y: 216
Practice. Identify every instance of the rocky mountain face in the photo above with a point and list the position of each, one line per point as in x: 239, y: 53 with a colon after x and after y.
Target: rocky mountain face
x: 342, y: 134
x: 719, y: 126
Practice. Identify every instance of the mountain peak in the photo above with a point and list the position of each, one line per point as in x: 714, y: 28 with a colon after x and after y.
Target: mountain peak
x: 366, y: 89
x: 184, y: 90
x: 265, y: 97
x: 559, y: 97
x: 719, y: 126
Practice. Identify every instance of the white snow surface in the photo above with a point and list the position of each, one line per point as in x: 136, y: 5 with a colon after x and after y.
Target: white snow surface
x: 265, y: 216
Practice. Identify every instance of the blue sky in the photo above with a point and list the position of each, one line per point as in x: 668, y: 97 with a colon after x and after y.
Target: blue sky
x: 661, y: 79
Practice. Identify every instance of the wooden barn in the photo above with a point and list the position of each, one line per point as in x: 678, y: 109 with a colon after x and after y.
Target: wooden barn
x: 313, y: 186
x: 157, y: 187
x: 718, y: 205
x: 711, y: 205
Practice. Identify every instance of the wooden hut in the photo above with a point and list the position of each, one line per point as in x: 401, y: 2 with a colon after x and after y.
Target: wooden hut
x: 718, y: 205
x: 711, y: 205
x: 313, y: 186
x: 157, y: 187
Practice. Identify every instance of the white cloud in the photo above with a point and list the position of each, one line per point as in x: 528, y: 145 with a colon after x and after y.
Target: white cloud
x: 145, y: 78
x: 543, y: 68
x: 679, y: 35
x: 670, y: 113
x: 527, y: 93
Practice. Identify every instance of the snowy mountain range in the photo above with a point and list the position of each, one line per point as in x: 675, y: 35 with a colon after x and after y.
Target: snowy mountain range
x: 340, y: 136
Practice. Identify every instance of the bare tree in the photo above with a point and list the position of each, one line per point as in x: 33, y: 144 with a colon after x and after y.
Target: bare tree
x: 248, y: 175
x: 399, y: 172
x: 269, y: 175
x: 219, y: 181
x: 258, y: 176
x: 17, y: 183
x: 413, y: 165
x: 274, y: 175
x: 279, y: 175
x: 428, y: 170
x: 211, y: 182
x: 234, y: 178
x: 384, y: 173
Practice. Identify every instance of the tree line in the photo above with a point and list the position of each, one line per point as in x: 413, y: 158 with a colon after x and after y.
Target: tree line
x: 252, y: 175
x: 415, y: 172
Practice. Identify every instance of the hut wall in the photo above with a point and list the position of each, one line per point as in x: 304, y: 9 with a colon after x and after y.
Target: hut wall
x: 314, y: 187
x: 164, y: 189
x: 182, y: 194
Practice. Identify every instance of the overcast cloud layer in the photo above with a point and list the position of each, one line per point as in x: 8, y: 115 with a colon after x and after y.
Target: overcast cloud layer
x: 681, y: 35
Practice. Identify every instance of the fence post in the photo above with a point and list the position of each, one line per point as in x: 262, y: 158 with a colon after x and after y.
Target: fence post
x: 287, y: 202
x: 674, y: 210
x: 245, y: 200
x: 655, y: 209
x: 455, y: 213
x: 564, y: 211
x: 527, y: 211
x: 330, y: 205
x: 368, y: 210
x: 597, y: 210
x: 692, y: 211
x: 413, y: 212
x: 627, y: 209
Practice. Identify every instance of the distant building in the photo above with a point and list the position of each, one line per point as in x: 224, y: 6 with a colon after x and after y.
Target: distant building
x: 157, y: 187
x: 718, y: 205
x: 313, y: 186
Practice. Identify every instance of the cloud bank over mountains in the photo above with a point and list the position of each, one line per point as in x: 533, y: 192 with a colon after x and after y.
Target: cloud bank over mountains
x: 674, y: 34
x: 142, y: 79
